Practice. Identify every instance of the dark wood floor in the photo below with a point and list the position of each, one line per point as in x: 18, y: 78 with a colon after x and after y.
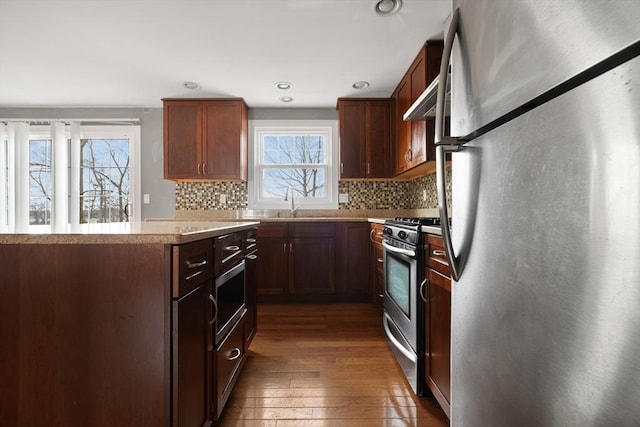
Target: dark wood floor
x: 324, y: 365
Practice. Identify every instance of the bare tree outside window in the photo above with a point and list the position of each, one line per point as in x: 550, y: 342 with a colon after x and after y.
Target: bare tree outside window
x: 39, y: 181
x: 104, y: 179
x: 297, y: 161
x: 104, y: 175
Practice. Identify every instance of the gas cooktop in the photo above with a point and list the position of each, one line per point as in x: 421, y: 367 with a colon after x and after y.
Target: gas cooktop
x: 433, y: 221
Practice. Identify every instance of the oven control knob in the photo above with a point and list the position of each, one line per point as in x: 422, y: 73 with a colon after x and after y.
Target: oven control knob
x: 402, y: 234
x: 387, y: 231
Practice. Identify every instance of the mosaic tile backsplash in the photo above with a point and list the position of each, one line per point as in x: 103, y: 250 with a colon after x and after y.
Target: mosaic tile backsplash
x: 362, y: 194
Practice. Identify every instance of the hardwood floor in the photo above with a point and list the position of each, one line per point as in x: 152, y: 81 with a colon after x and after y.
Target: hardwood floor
x: 324, y: 365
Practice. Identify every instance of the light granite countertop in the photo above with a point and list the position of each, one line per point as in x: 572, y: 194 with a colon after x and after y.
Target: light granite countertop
x: 147, y: 232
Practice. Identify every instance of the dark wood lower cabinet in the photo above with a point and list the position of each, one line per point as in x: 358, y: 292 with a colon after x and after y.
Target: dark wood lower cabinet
x: 85, y: 335
x: 191, y: 358
x: 437, y: 331
x: 376, y: 265
x: 107, y: 335
x: 314, y: 262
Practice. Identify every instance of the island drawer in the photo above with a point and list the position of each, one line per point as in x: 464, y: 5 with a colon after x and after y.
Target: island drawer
x: 192, y: 265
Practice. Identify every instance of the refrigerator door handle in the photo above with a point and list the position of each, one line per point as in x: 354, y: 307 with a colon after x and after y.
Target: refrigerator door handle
x: 446, y: 144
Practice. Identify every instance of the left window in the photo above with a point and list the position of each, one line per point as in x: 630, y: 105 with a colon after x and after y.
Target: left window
x: 105, y: 165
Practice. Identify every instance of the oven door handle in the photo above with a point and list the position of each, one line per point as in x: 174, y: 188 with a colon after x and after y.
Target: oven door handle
x: 408, y: 354
x: 398, y: 250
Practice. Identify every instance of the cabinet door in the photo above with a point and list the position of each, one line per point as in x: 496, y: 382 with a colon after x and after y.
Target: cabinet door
x: 192, y: 354
x: 182, y: 139
x: 352, y: 138
x: 251, y: 296
x: 272, y: 268
x: 403, y: 129
x: 378, y: 133
x: 377, y: 265
x: 225, y: 152
x: 438, y: 337
x: 352, y: 261
x: 418, y: 136
x: 311, y: 267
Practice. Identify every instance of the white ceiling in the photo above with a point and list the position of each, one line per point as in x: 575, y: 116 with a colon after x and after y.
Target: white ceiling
x: 132, y: 53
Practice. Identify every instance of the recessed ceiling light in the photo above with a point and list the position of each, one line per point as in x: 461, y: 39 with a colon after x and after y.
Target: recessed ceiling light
x: 387, y: 7
x: 191, y: 85
x: 284, y: 85
x: 286, y: 99
x: 360, y: 84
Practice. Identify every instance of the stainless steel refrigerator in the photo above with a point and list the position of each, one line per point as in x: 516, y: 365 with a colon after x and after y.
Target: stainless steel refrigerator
x: 545, y: 208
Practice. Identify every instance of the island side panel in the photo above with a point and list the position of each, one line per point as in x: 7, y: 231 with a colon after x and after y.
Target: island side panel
x: 93, y: 334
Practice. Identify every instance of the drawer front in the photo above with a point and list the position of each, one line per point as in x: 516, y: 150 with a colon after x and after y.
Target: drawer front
x: 192, y: 265
x: 435, y: 256
x: 250, y: 240
x: 272, y: 229
x: 376, y: 233
x: 229, y: 357
x: 228, y: 251
x: 311, y: 229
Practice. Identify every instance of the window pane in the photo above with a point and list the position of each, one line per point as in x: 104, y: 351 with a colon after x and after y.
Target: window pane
x: 293, y: 149
x: 104, y: 180
x: 306, y: 182
x: 39, y: 181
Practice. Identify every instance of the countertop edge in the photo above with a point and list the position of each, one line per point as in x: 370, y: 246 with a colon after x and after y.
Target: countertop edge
x: 167, y: 237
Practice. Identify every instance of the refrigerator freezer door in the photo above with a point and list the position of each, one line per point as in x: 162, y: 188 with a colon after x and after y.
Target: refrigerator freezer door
x: 509, y: 51
x: 545, y: 318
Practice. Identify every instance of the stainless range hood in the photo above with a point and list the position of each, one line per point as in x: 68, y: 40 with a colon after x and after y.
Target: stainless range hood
x: 425, y: 105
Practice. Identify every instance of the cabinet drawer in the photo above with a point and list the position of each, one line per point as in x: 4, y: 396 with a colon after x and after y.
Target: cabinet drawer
x: 435, y: 256
x: 192, y: 265
x: 376, y: 233
x: 272, y: 230
x: 250, y: 240
x: 228, y: 251
x: 311, y: 229
x: 228, y: 360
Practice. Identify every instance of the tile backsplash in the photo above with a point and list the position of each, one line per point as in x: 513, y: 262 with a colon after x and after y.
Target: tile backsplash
x: 419, y: 193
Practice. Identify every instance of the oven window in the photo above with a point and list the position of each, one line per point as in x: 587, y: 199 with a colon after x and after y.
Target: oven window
x: 398, y: 283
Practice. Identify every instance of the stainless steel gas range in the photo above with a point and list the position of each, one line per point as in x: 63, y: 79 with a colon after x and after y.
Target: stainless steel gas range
x: 403, y: 317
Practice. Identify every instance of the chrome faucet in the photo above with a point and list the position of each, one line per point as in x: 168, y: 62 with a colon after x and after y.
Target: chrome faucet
x: 294, y: 209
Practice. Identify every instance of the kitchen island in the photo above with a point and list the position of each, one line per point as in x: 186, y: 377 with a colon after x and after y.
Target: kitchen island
x: 89, y: 324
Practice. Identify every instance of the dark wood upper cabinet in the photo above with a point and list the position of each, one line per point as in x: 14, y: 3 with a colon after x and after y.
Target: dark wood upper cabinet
x: 364, y: 137
x: 412, y: 141
x: 205, y: 139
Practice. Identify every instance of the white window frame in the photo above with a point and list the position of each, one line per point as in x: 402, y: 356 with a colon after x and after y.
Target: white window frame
x: 328, y: 128
x: 131, y: 132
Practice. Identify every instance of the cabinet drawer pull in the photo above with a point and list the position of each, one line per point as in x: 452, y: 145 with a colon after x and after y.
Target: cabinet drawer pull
x: 438, y: 252
x: 380, y: 260
x: 234, y: 354
x: 251, y: 240
x: 192, y: 275
x: 204, y: 169
x: 199, y: 168
x: 197, y: 264
x: 232, y: 248
x: 252, y: 256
